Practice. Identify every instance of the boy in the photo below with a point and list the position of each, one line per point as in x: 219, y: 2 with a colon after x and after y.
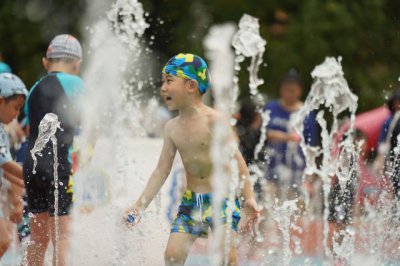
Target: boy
x: 185, y: 80
x: 12, y: 98
x: 54, y: 93
x: 286, y: 163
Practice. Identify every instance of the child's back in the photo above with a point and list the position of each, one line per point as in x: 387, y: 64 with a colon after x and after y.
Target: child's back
x: 54, y: 93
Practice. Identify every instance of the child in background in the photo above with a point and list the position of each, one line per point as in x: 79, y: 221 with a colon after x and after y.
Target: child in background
x: 12, y: 98
x: 286, y: 163
x: 185, y: 80
x: 57, y: 93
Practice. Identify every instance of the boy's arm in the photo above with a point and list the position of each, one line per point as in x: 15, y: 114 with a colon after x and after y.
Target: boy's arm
x: 14, y: 180
x: 244, y: 174
x: 251, y: 208
x: 245, y: 184
x: 160, y: 173
x: 13, y: 168
x: 15, y: 194
x: 280, y: 136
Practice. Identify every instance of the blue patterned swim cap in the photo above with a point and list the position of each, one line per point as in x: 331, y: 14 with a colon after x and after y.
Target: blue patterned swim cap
x: 189, y: 66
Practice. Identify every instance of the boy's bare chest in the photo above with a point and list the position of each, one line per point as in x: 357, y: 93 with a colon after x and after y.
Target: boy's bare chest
x: 192, y: 136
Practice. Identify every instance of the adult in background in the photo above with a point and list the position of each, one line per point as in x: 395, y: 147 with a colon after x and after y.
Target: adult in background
x: 285, y: 161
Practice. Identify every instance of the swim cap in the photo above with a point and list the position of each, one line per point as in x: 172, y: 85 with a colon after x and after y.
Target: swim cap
x: 189, y: 66
x: 64, y: 46
x: 10, y: 85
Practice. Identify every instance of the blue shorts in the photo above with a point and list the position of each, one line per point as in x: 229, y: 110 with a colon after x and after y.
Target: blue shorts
x: 195, y: 214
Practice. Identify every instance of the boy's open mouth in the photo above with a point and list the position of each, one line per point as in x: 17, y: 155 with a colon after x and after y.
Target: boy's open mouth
x: 168, y: 98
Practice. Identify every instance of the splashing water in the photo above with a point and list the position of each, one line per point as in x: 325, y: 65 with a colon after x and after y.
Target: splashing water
x: 329, y: 90
x: 47, y: 132
x: 127, y: 17
x: 112, y: 113
x: 220, y: 56
x: 283, y: 216
x: 248, y: 43
x: 344, y: 245
x: 217, y: 45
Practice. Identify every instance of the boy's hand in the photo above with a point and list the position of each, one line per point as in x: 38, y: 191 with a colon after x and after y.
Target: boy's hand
x: 17, y: 214
x: 294, y: 137
x: 252, y: 212
x: 132, y: 216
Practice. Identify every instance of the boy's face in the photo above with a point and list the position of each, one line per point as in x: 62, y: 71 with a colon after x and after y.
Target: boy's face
x: 174, y: 91
x: 290, y: 92
x: 10, y: 109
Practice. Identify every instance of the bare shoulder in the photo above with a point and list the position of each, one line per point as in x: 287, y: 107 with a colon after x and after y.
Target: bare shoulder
x: 216, y: 116
x: 170, y: 125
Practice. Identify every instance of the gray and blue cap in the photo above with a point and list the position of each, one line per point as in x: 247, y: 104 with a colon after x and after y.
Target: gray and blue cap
x: 64, y: 46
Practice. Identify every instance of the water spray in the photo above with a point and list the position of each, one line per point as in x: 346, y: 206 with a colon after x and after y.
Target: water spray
x: 48, y: 128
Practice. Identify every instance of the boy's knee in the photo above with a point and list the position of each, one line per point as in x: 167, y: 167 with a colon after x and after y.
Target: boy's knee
x: 233, y: 259
x: 5, y: 242
x: 173, y: 257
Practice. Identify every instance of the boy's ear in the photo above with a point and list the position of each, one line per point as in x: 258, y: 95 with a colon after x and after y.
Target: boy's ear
x: 76, y: 67
x: 193, y: 86
x: 45, y: 63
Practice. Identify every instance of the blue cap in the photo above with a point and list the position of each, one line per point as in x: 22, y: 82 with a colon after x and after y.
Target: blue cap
x: 189, y: 66
x: 10, y: 85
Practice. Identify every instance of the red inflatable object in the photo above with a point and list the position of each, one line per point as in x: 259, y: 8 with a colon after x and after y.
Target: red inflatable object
x: 370, y: 124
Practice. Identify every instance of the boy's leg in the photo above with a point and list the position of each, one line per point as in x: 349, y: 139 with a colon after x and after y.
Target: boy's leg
x: 64, y: 218
x: 231, y: 253
x: 178, y: 248
x: 63, y: 238
x: 40, y: 238
x: 5, y: 236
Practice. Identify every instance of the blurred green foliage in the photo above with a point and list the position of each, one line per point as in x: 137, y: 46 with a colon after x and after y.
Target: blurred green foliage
x: 299, y: 34
x: 27, y: 27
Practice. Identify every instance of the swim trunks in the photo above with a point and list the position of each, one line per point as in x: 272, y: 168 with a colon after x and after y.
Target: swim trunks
x: 40, y: 192
x: 195, y: 214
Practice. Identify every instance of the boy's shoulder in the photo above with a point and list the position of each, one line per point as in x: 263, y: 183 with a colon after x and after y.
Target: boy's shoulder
x: 73, y: 85
x: 215, y: 115
x: 171, y: 122
x: 70, y: 80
